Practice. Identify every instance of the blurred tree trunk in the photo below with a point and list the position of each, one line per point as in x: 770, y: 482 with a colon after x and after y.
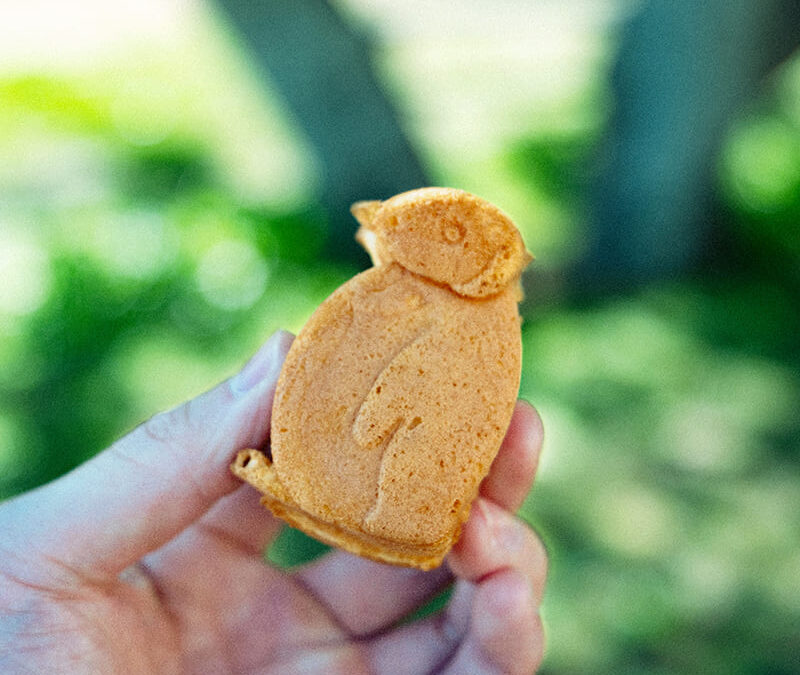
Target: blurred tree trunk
x: 322, y: 68
x: 683, y: 72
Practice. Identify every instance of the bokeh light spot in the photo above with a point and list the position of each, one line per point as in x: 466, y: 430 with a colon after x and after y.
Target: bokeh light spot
x: 709, y: 579
x: 763, y: 164
x: 232, y: 275
x: 25, y: 270
x: 635, y: 521
x: 138, y: 245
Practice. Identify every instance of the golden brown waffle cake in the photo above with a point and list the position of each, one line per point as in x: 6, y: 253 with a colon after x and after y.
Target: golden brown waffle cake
x: 397, y: 393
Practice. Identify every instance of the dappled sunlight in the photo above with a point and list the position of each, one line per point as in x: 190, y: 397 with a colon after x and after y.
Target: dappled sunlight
x: 782, y: 584
x: 474, y: 83
x: 762, y: 164
x: 25, y: 273
x: 710, y: 581
x: 232, y: 275
x: 135, y: 245
x: 150, y: 73
x: 635, y: 521
x: 661, y: 454
x: 697, y: 435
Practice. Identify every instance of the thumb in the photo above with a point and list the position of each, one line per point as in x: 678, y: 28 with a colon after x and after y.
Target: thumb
x: 154, y: 482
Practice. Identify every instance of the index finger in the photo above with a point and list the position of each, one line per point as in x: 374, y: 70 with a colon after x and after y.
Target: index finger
x: 514, y: 468
x: 150, y: 485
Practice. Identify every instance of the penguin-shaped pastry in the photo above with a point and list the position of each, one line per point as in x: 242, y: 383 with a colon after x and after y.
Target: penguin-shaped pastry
x: 396, y: 394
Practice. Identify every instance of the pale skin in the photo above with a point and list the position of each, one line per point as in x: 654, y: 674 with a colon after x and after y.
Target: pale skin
x: 148, y: 559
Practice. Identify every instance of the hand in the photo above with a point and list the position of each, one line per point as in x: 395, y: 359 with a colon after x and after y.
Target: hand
x: 148, y: 559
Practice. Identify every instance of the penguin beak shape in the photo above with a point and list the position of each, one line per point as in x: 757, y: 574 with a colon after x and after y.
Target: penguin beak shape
x: 364, y: 212
x: 367, y: 236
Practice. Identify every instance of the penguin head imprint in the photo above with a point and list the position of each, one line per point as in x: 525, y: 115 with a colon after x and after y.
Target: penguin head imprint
x: 448, y: 236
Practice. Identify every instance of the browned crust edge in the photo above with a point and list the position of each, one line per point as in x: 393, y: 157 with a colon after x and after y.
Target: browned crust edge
x: 253, y: 467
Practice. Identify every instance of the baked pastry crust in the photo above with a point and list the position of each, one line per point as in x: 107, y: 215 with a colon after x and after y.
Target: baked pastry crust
x: 395, y: 396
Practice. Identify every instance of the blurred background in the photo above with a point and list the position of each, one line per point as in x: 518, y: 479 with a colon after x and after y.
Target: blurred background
x: 175, y: 177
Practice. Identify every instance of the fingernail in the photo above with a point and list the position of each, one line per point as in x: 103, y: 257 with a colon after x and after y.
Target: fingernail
x: 489, y: 524
x: 264, y: 365
x: 505, y: 535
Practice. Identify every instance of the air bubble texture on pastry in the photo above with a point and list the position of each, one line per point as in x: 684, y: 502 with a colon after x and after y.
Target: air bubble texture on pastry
x: 396, y: 394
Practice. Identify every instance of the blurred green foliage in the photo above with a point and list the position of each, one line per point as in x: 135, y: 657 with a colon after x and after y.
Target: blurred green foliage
x: 119, y: 296
x: 136, y: 274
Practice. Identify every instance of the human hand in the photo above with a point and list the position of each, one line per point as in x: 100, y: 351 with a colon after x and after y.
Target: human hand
x: 148, y: 559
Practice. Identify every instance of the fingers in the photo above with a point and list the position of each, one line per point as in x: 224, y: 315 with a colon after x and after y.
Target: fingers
x: 425, y: 646
x: 514, y: 468
x: 240, y: 520
x: 237, y: 528
x: 508, y: 564
x: 151, y: 484
x: 491, y: 624
x: 494, y: 540
x: 505, y: 632
x: 366, y: 596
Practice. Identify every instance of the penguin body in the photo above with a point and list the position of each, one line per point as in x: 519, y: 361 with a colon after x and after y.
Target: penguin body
x: 396, y: 394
